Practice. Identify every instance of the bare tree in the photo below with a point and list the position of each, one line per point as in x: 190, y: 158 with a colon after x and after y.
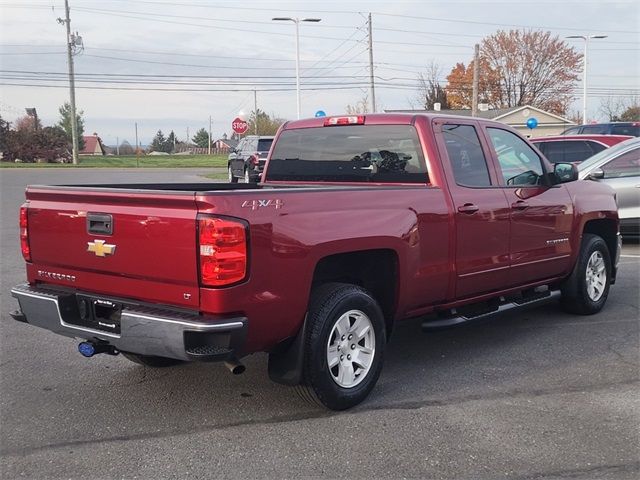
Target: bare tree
x: 430, y: 91
x: 534, y: 68
x: 361, y: 106
x: 617, y: 109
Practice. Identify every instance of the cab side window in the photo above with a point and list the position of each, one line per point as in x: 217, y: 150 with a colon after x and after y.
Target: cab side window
x: 626, y: 165
x: 519, y: 163
x: 466, y: 156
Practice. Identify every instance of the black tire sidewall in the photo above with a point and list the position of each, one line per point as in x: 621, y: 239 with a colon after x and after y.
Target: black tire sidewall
x: 578, y: 287
x: 323, y: 316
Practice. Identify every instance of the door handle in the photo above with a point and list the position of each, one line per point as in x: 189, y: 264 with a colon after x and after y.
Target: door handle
x: 520, y: 205
x: 468, y: 208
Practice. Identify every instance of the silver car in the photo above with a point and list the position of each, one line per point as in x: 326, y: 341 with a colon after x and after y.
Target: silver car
x: 619, y: 167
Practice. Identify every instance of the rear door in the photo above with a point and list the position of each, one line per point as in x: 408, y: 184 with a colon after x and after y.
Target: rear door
x: 541, y: 214
x: 481, y: 210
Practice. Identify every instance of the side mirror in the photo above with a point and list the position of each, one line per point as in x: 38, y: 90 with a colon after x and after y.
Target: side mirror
x: 596, y: 174
x: 565, y: 172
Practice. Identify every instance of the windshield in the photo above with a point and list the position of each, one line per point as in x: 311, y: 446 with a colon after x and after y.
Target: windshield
x: 608, y: 153
x: 352, y: 153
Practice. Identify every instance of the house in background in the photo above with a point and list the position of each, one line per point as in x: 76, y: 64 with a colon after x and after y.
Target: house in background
x: 92, y: 145
x: 516, y: 117
x: 225, y: 144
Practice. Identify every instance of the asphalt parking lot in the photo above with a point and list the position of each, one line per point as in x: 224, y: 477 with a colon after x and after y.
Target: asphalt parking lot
x: 535, y: 394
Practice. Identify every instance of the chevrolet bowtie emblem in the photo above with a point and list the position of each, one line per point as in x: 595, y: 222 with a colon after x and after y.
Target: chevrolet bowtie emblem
x: 100, y: 248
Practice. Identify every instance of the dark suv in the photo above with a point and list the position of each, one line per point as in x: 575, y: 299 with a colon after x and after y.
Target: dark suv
x: 611, y: 128
x: 248, y: 158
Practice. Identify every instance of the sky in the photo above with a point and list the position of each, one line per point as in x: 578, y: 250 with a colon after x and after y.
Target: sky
x: 172, y: 65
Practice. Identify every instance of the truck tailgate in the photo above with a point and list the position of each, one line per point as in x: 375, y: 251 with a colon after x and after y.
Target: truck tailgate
x: 117, y: 242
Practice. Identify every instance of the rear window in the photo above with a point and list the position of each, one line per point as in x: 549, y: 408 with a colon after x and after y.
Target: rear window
x: 264, y: 144
x: 350, y: 153
x: 594, y: 130
x: 633, y: 130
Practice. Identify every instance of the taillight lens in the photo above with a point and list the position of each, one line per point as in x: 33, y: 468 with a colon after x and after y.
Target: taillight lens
x: 222, y: 246
x: 255, y: 159
x: 24, y: 233
x: 350, y: 120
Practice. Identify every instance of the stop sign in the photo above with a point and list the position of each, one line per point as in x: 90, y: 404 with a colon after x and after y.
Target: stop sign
x: 239, y: 126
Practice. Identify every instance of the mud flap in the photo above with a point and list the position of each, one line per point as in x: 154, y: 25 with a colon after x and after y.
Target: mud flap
x: 286, y: 364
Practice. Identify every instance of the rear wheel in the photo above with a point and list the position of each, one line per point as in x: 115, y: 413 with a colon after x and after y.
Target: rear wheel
x: 344, y: 346
x: 150, y: 360
x: 232, y: 178
x: 585, y: 291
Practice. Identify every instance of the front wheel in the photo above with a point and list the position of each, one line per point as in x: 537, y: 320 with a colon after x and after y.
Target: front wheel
x: 585, y: 291
x: 344, y: 346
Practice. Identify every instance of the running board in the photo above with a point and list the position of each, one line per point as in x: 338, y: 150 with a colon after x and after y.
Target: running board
x: 537, y: 299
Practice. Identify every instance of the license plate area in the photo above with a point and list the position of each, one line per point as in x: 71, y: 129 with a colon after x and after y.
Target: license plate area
x: 97, y: 314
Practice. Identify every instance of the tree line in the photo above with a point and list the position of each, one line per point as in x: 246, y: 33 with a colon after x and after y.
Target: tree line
x: 27, y: 140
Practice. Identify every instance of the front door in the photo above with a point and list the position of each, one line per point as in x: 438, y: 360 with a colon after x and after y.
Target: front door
x: 541, y: 214
x: 481, y: 210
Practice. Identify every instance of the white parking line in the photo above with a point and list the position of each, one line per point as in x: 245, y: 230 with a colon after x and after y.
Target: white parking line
x: 630, y: 256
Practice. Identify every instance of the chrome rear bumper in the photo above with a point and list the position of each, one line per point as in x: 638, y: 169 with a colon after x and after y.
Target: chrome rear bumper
x: 145, y: 330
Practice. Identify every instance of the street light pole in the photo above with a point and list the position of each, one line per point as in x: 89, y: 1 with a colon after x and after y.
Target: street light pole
x: 584, y: 70
x: 297, y: 21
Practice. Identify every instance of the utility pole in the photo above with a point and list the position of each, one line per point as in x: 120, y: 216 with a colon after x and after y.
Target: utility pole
x: 476, y: 70
x: 117, y: 145
x: 137, y: 147
x: 73, y: 41
x: 372, y: 84
x: 255, y: 111
x: 586, y: 39
x: 209, y: 134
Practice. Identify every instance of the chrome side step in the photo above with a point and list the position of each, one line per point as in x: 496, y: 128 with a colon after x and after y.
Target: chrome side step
x: 454, y: 320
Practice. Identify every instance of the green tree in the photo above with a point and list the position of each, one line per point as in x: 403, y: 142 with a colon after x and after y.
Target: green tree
x: 158, y: 144
x: 201, y: 138
x: 171, y: 142
x: 4, y: 133
x: 267, y: 124
x: 65, y: 123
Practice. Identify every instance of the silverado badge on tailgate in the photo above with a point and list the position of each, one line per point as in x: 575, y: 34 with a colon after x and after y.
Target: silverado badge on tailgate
x: 100, y: 248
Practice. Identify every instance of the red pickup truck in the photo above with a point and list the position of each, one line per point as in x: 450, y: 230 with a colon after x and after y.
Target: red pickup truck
x: 360, y: 222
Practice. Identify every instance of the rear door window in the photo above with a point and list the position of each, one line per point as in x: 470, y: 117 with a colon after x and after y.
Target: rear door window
x: 519, y: 163
x: 465, y: 154
x: 349, y: 153
x: 595, y: 129
x: 568, y: 151
x: 633, y: 130
x: 626, y: 165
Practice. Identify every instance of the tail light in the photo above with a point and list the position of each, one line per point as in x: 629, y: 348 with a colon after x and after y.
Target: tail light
x: 222, y: 244
x: 351, y: 120
x: 24, y: 233
x: 255, y: 159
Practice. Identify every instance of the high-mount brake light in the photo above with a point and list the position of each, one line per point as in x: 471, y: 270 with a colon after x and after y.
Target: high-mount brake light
x: 24, y: 233
x: 222, y: 245
x: 350, y: 120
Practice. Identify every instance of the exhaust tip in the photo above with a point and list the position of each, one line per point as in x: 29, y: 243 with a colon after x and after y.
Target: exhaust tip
x: 235, y: 367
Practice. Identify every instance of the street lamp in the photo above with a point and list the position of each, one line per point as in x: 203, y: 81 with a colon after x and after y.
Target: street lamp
x: 584, y: 72
x: 297, y: 21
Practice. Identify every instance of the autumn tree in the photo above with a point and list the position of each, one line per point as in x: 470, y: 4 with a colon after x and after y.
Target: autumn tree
x: 620, y: 109
x: 459, y: 88
x: 65, y: 123
x: 533, y: 68
x: 266, y: 124
x: 430, y: 91
x: 125, y: 148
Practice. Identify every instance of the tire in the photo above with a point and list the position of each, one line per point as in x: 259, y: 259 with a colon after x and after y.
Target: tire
x: 585, y: 291
x: 232, y: 178
x: 150, y: 360
x: 336, y: 308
